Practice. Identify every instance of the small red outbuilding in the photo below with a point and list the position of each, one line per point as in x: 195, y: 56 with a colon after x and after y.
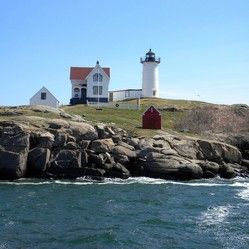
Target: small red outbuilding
x: 152, y: 119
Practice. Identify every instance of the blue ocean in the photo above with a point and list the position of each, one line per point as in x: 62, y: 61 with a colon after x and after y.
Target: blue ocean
x: 133, y: 213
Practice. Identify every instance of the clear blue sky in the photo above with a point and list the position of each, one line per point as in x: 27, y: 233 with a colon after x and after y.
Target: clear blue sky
x: 203, y: 45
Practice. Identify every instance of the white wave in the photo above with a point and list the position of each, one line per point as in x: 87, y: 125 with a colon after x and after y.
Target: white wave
x: 25, y: 183
x: 3, y: 246
x: 215, y: 182
x: 244, y: 192
x: 214, y: 215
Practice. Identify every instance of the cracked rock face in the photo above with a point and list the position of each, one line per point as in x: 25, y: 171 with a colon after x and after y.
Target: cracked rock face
x: 67, y: 149
x: 14, y: 148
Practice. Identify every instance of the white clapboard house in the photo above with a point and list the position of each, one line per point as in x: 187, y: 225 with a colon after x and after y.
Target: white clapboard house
x: 44, y: 97
x: 89, y: 84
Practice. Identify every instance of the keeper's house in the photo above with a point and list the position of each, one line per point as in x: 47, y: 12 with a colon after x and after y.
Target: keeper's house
x: 89, y: 84
x: 44, y: 97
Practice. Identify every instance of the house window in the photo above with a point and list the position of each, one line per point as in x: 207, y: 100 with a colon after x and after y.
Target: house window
x: 97, y: 90
x: 76, y: 92
x: 97, y: 77
x: 43, y: 95
x: 127, y: 94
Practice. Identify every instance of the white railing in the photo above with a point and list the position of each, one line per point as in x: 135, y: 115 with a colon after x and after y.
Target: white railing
x: 116, y: 105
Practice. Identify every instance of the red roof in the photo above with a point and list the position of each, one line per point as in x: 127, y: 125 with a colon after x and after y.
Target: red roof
x: 80, y: 73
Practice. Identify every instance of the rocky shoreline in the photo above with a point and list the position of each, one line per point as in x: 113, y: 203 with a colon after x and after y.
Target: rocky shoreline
x: 62, y: 149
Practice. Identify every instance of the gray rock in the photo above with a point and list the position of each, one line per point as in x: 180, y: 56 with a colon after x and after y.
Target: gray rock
x: 38, y: 159
x: 60, y: 139
x: 116, y: 139
x: 97, y: 160
x: 162, y: 144
x: 71, y: 139
x: 210, y: 151
x: 14, y: 147
x: 110, y: 131
x: 57, y: 124
x: 209, y: 166
x: 122, y: 159
x: 217, y: 152
x: 118, y: 171
x: 12, y: 164
x: 145, y: 143
x: 231, y: 154
x: 66, y: 159
x: 143, y: 153
x: 120, y: 150
x: 84, y: 144
x: 227, y: 171
x: 71, y: 146
x: 168, y: 152
x: 83, y: 131
x: 170, y: 167
x: 65, y: 115
x: 101, y: 131
x: 84, y: 159
x: 186, y: 148
x: 93, y: 173
x: 245, y: 163
x: 46, y: 140
x: 121, y: 143
x: 15, y: 143
x: 133, y: 142
x: 102, y: 145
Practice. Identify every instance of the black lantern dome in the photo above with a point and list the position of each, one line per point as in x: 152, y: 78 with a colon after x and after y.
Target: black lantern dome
x: 150, y: 57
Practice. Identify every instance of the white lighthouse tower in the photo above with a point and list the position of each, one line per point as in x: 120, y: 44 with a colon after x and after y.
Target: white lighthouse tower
x: 150, y: 81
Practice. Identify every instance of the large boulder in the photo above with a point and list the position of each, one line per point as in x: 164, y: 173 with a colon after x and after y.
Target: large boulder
x: 14, y: 147
x: 83, y: 131
x: 231, y: 154
x: 210, y: 169
x: 12, y: 164
x: 227, y: 171
x: 186, y: 148
x: 121, y: 150
x: 118, y: 171
x: 210, y: 151
x: 45, y: 140
x: 38, y: 159
x: 16, y: 143
x: 169, y: 167
x: 102, y: 145
x: 241, y: 141
x: 66, y: 164
x: 60, y: 139
x: 67, y: 159
x: 218, y: 152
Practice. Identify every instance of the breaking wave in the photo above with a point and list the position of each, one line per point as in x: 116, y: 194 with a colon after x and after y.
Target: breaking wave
x: 215, y: 182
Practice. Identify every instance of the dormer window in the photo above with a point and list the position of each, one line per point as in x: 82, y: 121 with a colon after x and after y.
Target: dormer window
x: 97, y: 77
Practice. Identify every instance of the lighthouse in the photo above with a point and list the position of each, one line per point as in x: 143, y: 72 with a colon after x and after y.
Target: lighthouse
x: 150, y: 81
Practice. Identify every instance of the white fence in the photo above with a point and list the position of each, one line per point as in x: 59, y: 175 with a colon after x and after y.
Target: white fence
x: 119, y: 105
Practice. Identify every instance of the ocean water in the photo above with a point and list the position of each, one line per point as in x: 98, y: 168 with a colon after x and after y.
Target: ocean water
x: 132, y: 213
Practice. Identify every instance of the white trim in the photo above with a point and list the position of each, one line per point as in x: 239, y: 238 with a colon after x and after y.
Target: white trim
x: 154, y: 108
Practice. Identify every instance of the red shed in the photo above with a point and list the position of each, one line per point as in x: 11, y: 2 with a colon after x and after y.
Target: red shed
x: 152, y: 119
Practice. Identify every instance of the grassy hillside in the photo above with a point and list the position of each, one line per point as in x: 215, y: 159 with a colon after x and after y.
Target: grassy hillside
x: 131, y: 120
x: 128, y: 119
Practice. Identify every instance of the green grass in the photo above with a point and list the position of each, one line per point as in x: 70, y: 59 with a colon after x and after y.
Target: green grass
x: 130, y: 120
